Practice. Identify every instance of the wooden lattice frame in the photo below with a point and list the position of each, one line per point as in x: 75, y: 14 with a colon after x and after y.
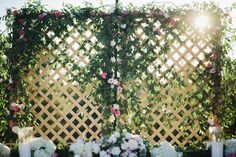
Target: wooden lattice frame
x: 63, y: 113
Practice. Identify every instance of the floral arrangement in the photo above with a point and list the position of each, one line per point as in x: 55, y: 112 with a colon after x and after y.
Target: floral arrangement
x: 42, y: 148
x: 230, y: 146
x: 4, y: 150
x: 84, y: 149
x: 124, y: 145
x: 165, y: 150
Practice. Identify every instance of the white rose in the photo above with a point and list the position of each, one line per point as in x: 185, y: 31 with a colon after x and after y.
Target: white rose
x: 133, y: 144
x: 113, y: 43
x: 112, y: 118
x: 123, y: 26
x: 113, y: 59
x: 104, y: 154
x: 115, y: 151
x: 112, y: 139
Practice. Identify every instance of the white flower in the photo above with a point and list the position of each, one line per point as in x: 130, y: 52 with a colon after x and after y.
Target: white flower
x: 115, y: 151
x: 119, y: 60
x: 104, y: 154
x: 123, y: 26
x: 4, y: 150
x: 42, y: 147
x: 116, y: 134
x: 165, y: 150
x: 116, y: 82
x: 133, y: 144
x: 119, y: 89
x: 128, y: 135
x: 113, y: 43
x: 112, y: 118
x: 10, y: 81
x: 113, y: 59
x: 111, y: 81
x: 117, y: 107
x: 118, y: 48
x: 1, y: 79
x: 112, y: 139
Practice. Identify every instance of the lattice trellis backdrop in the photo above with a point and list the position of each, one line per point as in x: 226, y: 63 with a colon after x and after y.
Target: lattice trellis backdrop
x: 63, y: 113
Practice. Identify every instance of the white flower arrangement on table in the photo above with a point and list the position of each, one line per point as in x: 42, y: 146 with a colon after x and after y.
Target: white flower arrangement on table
x: 165, y: 150
x: 230, y: 146
x: 4, y: 150
x: 122, y: 145
x: 84, y: 149
x: 42, y: 148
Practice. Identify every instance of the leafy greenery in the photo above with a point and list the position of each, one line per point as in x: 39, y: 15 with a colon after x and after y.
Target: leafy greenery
x: 121, y: 55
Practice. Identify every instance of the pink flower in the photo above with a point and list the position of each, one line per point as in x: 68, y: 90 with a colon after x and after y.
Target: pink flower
x: 57, y: 13
x: 104, y: 75
x: 173, y: 22
x: 11, y: 124
x: 119, y: 89
x: 21, y: 21
x: 115, y: 111
x: 25, y: 39
x: 16, y: 108
x: 126, y: 13
x: 157, y: 31
x: 41, y: 16
x: 116, y: 82
x: 21, y: 32
x: 214, y: 57
x: 208, y: 66
x: 120, y: 18
x: 15, y: 13
x: 111, y: 81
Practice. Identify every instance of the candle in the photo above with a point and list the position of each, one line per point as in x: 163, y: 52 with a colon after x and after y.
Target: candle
x: 217, y: 149
x: 24, y: 149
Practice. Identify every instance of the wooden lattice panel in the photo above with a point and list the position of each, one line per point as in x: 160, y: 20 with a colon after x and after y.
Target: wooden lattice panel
x: 64, y: 113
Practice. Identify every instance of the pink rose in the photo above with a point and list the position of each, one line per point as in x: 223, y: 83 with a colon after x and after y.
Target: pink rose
x: 119, y: 89
x: 57, y: 13
x: 104, y: 75
x: 21, y: 32
x: 25, y: 39
x: 214, y: 57
x: 11, y: 124
x: 157, y: 31
x: 173, y: 22
x: 15, y: 13
x: 126, y: 13
x: 41, y: 16
x: 120, y: 18
x: 208, y: 66
x: 16, y: 108
x: 115, y: 111
x: 21, y: 21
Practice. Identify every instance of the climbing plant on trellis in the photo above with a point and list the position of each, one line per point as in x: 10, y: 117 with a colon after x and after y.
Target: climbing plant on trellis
x: 143, y: 70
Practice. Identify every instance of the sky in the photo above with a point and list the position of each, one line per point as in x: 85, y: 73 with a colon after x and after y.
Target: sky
x: 57, y: 4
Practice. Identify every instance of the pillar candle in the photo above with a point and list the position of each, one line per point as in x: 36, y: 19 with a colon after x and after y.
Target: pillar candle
x: 216, y: 149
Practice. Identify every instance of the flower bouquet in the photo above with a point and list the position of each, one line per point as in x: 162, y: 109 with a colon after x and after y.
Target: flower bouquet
x: 230, y: 148
x: 122, y: 145
x: 165, y: 150
x: 84, y: 149
x: 4, y: 150
x: 42, y: 148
